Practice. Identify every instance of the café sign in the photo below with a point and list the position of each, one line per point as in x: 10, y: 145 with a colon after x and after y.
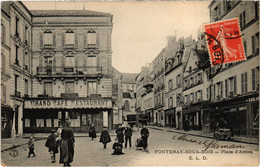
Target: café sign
x: 67, y: 104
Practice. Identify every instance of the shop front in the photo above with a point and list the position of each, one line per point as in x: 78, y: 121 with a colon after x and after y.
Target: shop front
x: 241, y: 115
x: 193, y: 114
x: 150, y: 114
x: 170, y: 119
x: 7, y: 114
x: 43, y: 115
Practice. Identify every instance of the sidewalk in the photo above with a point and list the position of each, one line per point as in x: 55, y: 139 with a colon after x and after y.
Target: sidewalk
x: 9, y: 143
x: 208, y: 135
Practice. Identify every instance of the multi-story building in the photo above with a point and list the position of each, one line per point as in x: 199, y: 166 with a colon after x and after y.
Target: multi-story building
x: 71, y: 71
x: 173, y: 86
x: 145, y: 96
x: 16, y: 64
x: 7, y: 116
x: 159, y: 87
x: 128, y: 89
x: 234, y: 90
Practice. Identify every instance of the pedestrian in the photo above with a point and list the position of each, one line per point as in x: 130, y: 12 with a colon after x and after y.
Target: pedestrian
x: 52, y: 145
x: 120, y: 134
x: 31, y: 147
x: 128, y: 136
x: 145, y: 134
x: 117, y: 147
x: 59, y: 129
x: 92, y: 131
x: 105, y: 137
x: 67, y: 145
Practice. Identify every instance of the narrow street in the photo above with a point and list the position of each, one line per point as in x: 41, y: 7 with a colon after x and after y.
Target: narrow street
x: 91, y: 153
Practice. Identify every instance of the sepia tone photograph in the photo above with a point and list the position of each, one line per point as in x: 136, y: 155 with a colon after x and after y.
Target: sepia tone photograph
x: 130, y: 83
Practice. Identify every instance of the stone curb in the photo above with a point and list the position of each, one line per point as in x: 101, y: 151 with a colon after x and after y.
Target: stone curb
x: 206, y: 136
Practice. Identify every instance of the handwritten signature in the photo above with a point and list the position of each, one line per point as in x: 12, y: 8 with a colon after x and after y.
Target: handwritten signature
x: 213, y: 144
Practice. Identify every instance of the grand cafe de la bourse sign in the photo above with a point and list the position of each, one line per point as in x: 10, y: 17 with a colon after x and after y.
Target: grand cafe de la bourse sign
x: 67, y: 103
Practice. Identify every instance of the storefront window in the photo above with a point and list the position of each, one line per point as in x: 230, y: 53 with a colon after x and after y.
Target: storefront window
x: 26, y: 123
x: 55, y: 122
x: 48, y: 122
x: 39, y: 122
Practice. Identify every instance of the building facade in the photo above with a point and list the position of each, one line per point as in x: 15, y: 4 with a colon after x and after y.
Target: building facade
x: 235, y: 89
x: 173, y: 86
x: 159, y: 87
x: 16, y: 56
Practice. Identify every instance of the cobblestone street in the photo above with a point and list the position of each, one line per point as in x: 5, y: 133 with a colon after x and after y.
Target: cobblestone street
x: 91, y: 153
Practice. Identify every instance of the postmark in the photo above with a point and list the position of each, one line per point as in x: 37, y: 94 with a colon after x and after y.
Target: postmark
x: 224, y: 41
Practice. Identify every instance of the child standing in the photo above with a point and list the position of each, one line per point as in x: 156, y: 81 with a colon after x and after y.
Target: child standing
x: 31, y: 147
x: 52, y: 145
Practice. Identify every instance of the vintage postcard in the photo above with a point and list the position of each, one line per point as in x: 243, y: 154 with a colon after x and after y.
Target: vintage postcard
x: 130, y: 83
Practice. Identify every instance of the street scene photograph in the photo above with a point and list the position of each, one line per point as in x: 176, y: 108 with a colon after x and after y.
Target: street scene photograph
x: 130, y: 83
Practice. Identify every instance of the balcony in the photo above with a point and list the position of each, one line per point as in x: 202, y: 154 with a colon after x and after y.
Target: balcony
x: 71, y: 70
x: 230, y: 94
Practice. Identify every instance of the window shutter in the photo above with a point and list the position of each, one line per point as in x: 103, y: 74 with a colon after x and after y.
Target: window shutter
x: 54, y: 64
x: 76, y: 40
x: 54, y: 39
x: 98, y: 40
x: 41, y: 40
x: 253, y: 79
x: 245, y: 82
x: 76, y: 60
x: 84, y: 60
x: 84, y: 40
x: 41, y: 61
x: 63, y: 39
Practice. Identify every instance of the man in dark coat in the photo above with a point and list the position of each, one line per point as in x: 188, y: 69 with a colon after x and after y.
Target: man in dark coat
x: 105, y: 137
x: 145, y: 134
x: 92, y: 131
x: 128, y: 135
x: 52, y: 145
x: 67, y: 145
x: 120, y: 134
x: 117, y: 147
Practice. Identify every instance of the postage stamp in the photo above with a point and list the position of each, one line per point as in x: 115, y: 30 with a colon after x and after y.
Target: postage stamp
x: 224, y: 42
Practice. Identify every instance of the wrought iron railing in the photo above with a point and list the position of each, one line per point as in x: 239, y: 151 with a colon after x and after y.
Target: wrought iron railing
x: 79, y: 70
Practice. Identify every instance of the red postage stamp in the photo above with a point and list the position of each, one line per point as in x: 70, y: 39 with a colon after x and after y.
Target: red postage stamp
x: 224, y: 42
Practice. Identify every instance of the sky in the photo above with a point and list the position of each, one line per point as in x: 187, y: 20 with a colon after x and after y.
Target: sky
x: 140, y: 29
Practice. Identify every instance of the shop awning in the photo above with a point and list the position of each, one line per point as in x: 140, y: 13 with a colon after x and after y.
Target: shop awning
x: 67, y: 103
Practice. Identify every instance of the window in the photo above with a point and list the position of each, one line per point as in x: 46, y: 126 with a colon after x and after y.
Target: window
x: 92, y: 88
x: 255, y: 43
x: 70, y: 39
x: 26, y: 34
x: 170, y: 84
x: 196, y: 97
x: 92, y: 38
x: 70, y: 61
x: 192, y: 97
x: 16, y: 80
x: 226, y: 88
x: 244, y: 83
x: 178, y: 79
x: 47, y: 88
x: 255, y: 78
x: 16, y: 55
x: 3, y: 62
x: 3, y: 94
x: 26, y: 85
x: 245, y: 48
x: 69, y: 87
x: 47, y: 39
x: 17, y: 26
x: 3, y: 33
x: 242, y: 19
x: 192, y: 81
x: 178, y: 99
x: 235, y: 85
x: 208, y: 89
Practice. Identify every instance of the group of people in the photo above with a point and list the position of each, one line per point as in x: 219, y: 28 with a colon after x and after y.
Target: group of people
x: 64, y: 139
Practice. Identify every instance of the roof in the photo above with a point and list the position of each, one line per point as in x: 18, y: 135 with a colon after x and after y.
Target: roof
x: 203, y: 57
x: 128, y: 78
x: 53, y: 13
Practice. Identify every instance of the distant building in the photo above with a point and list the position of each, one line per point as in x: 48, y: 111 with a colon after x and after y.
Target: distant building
x: 144, y: 94
x: 159, y: 87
